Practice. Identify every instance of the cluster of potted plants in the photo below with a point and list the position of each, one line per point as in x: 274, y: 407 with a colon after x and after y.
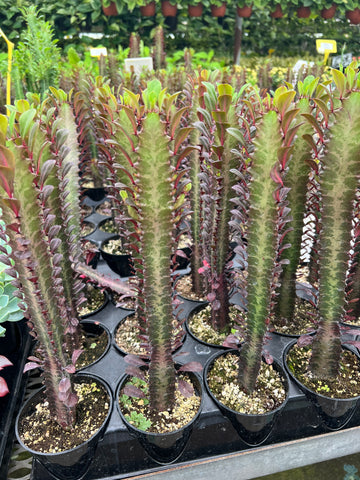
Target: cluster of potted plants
x: 241, y: 176
x: 303, y: 9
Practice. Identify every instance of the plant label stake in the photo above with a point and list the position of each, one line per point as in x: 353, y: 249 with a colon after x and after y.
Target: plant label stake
x: 326, y: 47
x: 10, y: 46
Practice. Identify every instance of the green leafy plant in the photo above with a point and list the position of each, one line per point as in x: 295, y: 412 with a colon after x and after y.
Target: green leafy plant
x: 36, y: 58
x: 266, y: 220
x: 219, y: 135
x: 147, y: 144
x: 40, y: 202
x: 338, y: 195
x: 297, y: 180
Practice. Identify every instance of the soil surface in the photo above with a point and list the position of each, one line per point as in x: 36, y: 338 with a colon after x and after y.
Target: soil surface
x: 40, y: 432
x: 345, y: 385
x: 137, y: 410
x: 269, y: 391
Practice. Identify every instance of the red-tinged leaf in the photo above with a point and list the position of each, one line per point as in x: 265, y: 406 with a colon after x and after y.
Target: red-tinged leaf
x: 6, y: 260
x: 134, y: 360
x: 4, y: 362
x: 181, y: 253
x: 276, y: 176
x: 315, y: 125
x: 351, y: 331
x: 13, y: 205
x: 175, y: 121
x: 7, y: 170
x: 211, y: 296
x: 54, y: 244
x: 268, y: 358
x: 75, y: 356
x: 30, y: 366
x: 71, y: 400
x: 33, y: 359
x: 288, y: 118
x: 7, y: 180
x: 186, y: 389
x: 355, y: 343
x: 45, y: 170
x: 130, y: 114
x: 304, y: 340
x: 4, y: 390
x: 216, y: 305
x: 323, y: 108
x: 180, y: 137
x: 70, y: 369
x: 135, y: 372
x: 284, y: 101
x: 132, y: 391
x: 191, y: 367
x: 231, y: 341
x: 64, y: 385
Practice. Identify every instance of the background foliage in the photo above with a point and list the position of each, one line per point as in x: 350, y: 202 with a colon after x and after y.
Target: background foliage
x: 72, y: 19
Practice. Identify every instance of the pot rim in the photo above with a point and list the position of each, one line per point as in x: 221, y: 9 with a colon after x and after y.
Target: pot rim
x: 302, y: 386
x: 78, y: 447
x: 276, y: 362
x: 200, y: 393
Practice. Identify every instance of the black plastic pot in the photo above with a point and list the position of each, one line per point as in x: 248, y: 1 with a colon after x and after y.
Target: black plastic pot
x: 103, y: 305
x: 16, y: 346
x: 196, y: 310
x: 163, y: 448
x: 120, y: 264
x: 93, y: 330
x: 335, y: 413
x: 252, y: 429
x: 96, y: 194
x: 305, y: 292
x: 70, y: 464
x: 183, y: 262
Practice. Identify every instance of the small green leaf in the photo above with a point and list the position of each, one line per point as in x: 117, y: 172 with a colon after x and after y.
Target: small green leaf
x: 26, y: 121
x: 339, y: 80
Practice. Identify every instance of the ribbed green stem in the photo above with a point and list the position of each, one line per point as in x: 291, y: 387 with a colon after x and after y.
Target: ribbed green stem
x: 195, y: 206
x: 338, y: 184
x: 155, y: 199
x: 296, y: 179
x: 262, y: 242
x: 34, y: 265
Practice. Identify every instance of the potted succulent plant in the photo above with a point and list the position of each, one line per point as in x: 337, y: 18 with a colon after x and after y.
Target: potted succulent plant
x: 153, y: 206
x: 297, y: 180
x: 39, y: 170
x: 262, y: 209
x: 212, y: 179
x: 322, y: 365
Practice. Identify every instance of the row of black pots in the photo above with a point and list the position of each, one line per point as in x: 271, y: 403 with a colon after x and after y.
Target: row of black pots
x: 121, y: 264
x: 217, y: 429
x: 128, y: 453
